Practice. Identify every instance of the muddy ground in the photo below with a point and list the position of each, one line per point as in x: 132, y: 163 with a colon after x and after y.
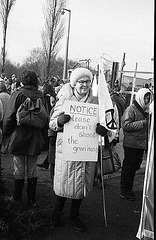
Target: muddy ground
x: 122, y: 216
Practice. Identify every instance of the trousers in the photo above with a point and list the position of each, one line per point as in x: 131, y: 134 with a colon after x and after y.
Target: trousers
x: 131, y: 163
x: 24, y: 165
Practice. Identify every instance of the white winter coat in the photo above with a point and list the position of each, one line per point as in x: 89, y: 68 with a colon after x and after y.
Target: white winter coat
x: 72, y: 179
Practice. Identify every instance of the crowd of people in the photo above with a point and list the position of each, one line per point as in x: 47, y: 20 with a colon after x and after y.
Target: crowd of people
x: 71, y: 179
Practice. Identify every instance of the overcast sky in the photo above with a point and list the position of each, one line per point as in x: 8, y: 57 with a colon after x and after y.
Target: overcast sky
x: 97, y: 26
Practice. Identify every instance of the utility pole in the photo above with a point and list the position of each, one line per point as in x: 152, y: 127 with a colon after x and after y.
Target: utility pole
x: 67, y: 45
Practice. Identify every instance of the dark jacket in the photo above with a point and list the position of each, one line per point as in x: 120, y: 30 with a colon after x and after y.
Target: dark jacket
x: 135, y: 133
x: 23, y: 140
x: 119, y: 99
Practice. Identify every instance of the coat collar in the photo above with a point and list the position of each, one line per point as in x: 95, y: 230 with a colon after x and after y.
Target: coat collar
x: 67, y: 91
x: 31, y: 92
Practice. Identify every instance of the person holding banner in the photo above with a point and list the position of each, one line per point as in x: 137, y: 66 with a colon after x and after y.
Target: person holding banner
x: 72, y: 179
x: 135, y: 130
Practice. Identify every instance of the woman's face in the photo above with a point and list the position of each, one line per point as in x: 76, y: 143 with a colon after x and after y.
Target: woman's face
x: 83, y: 85
x: 147, y: 99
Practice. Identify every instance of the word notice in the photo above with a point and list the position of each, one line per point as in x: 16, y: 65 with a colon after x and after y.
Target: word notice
x: 80, y: 140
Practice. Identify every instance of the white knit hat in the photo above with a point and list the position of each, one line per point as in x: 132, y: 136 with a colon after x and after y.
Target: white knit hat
x: 79, y: 73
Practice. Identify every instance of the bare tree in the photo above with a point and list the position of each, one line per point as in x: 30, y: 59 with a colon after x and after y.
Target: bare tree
x: 35, y: 61
x: 5, y: 8
x: 53, y: 31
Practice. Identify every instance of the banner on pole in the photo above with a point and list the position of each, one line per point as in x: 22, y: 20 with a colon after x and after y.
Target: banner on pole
x: 80, y: 141
x: 106, y: 109
x: 146, y: 226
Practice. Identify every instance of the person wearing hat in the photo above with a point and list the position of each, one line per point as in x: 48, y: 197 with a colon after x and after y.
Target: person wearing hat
x: 71, y: 177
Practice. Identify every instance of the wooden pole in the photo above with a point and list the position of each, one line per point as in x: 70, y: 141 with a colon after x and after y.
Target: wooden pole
x: 136, y: 72
x: 121, y: 71
x: 103, y: 190
x: 133, y: 84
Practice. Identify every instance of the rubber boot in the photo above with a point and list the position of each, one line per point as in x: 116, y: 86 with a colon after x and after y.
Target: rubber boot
x: 74, y: 216
x: 31, y: 191
x: 60, y: 202
x: 18, y: 188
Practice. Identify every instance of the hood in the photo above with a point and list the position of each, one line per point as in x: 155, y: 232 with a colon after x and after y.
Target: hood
x: 31, y: 92
x: 139, y: 97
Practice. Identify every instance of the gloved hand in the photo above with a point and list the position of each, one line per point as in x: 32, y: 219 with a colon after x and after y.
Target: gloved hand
x: 101, y: 130
x: 144, y: 122
x: 64, y: 118
x: 114, y: 142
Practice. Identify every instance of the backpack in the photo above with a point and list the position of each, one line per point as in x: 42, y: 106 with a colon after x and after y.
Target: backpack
x: 32, y: 113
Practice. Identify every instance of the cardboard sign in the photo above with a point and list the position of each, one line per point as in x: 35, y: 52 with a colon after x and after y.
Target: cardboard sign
x: 80, y: 141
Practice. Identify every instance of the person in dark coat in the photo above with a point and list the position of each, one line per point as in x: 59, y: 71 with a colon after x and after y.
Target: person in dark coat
x: 25, y: 143
x: 50, y: 97
x: 120, y: 101
x: 135, y: 130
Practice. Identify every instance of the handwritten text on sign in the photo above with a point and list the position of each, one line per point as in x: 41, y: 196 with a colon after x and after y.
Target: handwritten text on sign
x: 80, y: 141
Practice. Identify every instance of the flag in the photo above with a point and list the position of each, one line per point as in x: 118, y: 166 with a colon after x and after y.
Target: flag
x: 146, y: 226
x: 106, y: 119
x: 94, y: 86
x: 106, y: 109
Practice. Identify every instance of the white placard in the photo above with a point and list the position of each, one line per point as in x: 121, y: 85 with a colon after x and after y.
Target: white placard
x: 80, y: 141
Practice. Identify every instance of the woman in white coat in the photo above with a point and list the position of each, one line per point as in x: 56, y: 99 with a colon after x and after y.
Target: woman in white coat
x: 72, y: 177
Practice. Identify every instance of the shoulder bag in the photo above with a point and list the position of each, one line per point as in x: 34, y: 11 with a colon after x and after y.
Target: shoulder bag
x: 110, y: 160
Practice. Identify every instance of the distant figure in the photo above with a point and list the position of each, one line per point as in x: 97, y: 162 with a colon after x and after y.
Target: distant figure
x: 129, y: 88
x: 13, y: 85
x: 120, y: 101
x: 146, y: 85
x: 58, y: 88
x: 8, y: 83
x: 2, y: 77
x: 50, y: 96
x: 4, y: 96
x: 116, y: 85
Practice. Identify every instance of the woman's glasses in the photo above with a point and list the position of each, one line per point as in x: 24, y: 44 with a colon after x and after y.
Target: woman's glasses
x: 81, y: 82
